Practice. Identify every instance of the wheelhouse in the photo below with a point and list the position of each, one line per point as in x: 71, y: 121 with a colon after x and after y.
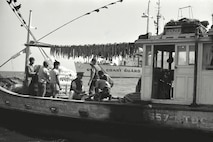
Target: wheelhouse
x: 178, y: 64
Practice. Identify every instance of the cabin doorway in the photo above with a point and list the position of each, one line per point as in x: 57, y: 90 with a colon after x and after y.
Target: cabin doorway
x: 163, y: 71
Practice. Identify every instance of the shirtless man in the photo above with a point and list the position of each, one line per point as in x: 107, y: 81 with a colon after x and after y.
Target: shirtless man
x: 102, y: 90
x: 43, y: 79
x: 30, y: 76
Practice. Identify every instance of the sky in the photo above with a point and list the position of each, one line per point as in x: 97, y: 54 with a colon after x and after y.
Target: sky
x: 121, y: 22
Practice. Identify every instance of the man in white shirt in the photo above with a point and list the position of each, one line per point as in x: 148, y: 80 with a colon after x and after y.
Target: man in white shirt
x: 54, y: 80
x: 93, y: 75
x: 43, y: 78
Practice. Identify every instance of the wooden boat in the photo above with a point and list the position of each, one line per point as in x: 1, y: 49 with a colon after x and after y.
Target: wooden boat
x: 176, y: 87
x: 183, y: 102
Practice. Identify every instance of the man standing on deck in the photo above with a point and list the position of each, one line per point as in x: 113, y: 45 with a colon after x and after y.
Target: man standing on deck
x: 30, y: 76
x: 43, y: 79
x: 93, y: 75
x: 54, y: 80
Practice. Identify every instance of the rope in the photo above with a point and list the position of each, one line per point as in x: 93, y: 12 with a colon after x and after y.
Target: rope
x: 14, y: 56
x: 18, y: 15
x: 12, y: 65
x: 102, y: 69
x: 42, y: 53
x: 96, y: 10
x: 23, y: 23
x: 5, y: 62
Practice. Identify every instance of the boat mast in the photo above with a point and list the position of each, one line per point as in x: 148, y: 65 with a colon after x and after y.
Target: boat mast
x: 158, y: 17
x: 147, y: 30
x: 28, y: 41
x: 147, y: 16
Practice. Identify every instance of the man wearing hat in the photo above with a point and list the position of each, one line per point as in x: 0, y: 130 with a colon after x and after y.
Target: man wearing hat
x: 76, y: 88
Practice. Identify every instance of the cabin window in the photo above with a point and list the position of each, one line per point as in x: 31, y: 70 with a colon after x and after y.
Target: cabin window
x: 158, y: 57
x: 162, y: 59
x: 207, y: 57
x: 166, y: 60
x: 191, y: 55
x: 148, y: 55
x: 181, y: 54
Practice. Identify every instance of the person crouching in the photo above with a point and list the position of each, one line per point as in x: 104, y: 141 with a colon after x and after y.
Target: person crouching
x: 102, y: 90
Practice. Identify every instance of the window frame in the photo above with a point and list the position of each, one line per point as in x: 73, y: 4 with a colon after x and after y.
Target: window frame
x: 187, y: 63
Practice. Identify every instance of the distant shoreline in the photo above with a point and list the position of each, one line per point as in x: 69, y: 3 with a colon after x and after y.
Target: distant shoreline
x: 18, y: 74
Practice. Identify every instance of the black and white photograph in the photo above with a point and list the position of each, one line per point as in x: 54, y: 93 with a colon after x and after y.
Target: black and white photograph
x: 106, y: 71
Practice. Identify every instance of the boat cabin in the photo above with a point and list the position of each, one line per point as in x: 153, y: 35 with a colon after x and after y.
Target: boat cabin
x: 178, y: 64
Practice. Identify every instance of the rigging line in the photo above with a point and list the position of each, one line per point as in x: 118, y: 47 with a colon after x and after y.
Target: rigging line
x: 14, y: 56
x: 102, y: 69
x: 12, y: 65
x: 42, y: 53
x: 5, y: 62
x: 22, y: 20
x: 96, y: 10
x: 60, y: 27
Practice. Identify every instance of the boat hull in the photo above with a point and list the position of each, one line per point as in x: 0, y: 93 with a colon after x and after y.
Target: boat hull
x: 111, y: 114
x: 44, y: 126
x: 113, y: 71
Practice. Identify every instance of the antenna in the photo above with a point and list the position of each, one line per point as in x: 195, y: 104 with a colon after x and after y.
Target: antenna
x: 180, y: 12
x: 158, y: 17
x: 157, y: 23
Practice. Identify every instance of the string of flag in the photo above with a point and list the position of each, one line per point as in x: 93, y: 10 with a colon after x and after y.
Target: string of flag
x: 88, y: 13
x: 13, y: 5
x: 15, y: 8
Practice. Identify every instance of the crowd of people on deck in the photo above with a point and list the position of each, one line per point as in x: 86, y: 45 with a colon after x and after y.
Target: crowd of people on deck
x: 39, y: 79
